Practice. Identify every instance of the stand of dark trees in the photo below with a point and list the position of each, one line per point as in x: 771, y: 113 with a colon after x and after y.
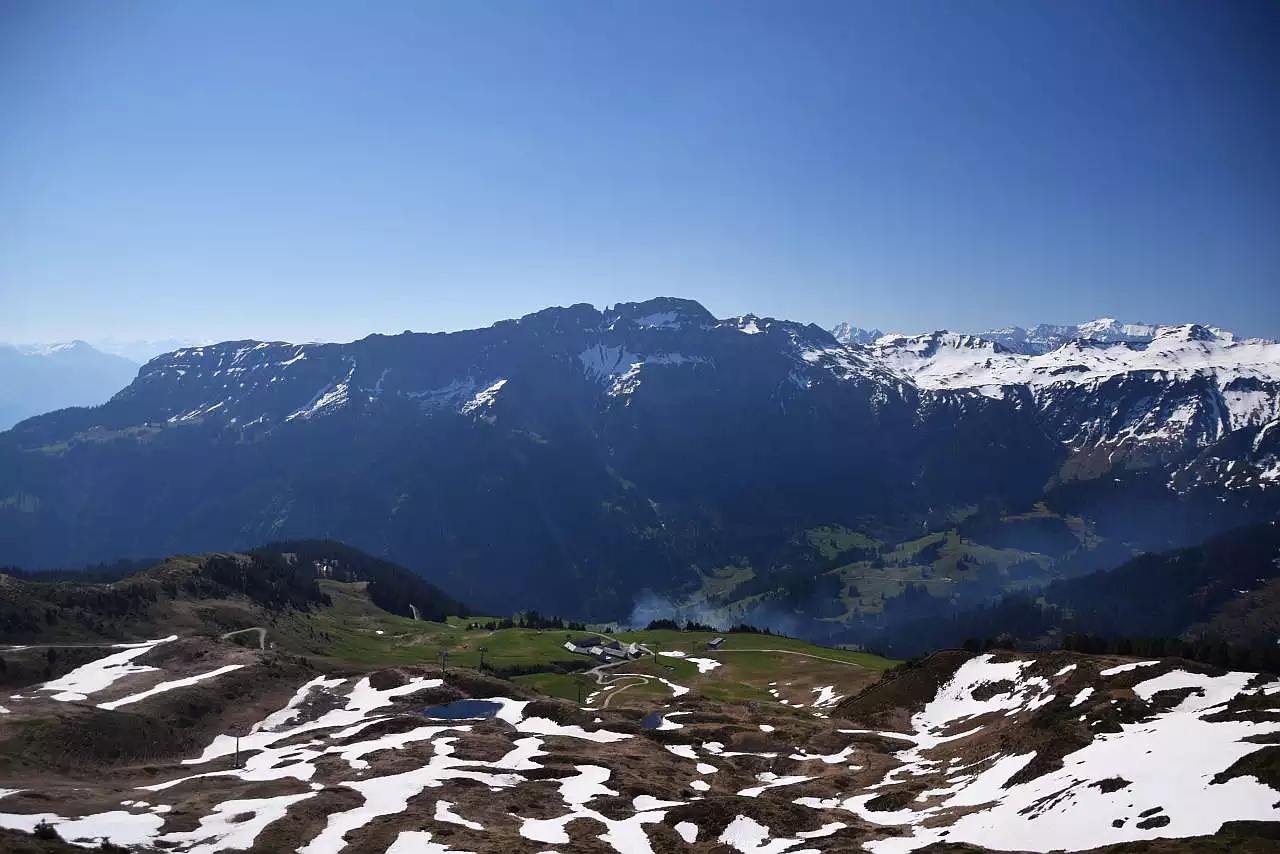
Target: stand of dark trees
x: 94, y: 573
x: 391, y: 587
x: 692, y: 626
x: 78, y: 607
x: 530, y: 620
x: 1253, y: 659
x: 115, y: 600
x: 1159, y: 595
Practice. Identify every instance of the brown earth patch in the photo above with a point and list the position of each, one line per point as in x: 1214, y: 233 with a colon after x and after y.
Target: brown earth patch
x: 987, y: 690
x: 1110, y: 784
x: 1263, y: 764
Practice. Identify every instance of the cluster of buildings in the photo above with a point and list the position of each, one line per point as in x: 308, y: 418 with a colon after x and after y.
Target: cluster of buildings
x: 605, y: 649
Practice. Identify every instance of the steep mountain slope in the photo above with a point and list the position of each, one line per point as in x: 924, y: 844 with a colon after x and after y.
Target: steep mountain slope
x: 562, y: 461
x: 1218, y: 592
x: 41, y: 379
x: 574, y: 458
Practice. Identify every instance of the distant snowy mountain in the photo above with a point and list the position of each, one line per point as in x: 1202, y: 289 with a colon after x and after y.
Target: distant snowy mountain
x: 847, y: 333
x: 141, y: 350
x: 1037, y: 339
x: 1119, y: 395
x: 43, y: 377
x: 1044, y: 337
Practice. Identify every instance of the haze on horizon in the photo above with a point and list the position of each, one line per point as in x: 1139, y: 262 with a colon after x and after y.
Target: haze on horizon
x: 322, y: 172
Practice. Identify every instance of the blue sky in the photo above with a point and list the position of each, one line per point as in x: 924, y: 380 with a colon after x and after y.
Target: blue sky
x: 323, y: 170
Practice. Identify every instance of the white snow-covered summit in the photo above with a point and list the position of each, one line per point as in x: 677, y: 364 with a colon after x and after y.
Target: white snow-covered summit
x: 952, y: 360
x: 1043, y: 337
x: 1121, y: 394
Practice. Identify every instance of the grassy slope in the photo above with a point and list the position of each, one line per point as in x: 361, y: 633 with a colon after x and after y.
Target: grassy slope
x: 868, y: 585
x: 347, y: 632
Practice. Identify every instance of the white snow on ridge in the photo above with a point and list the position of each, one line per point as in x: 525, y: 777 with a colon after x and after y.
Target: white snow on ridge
x: 120, y: 826
x: 102, y: 674
x: 946, y: 360
x: 198, y: 412
x: 445, y: 396
x: 168, y: 686
x: 232, y: 824
x: 1125, y: 668
x: 621, y: 370
x: 827, y: 696
x: 445, y: 813
x: 237, y: 823
x: 1085, y: 693
x: 659, y: 320
x: 769, y: 780
x: 484, y: 399
x: 748, y: 836
x: 602, y: 361
x: 1168, y: 761
x: 331, y: 397
x: 419, y: 842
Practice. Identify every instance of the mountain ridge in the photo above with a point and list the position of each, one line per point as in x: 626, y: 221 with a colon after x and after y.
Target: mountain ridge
x: 39, y: 379
x: 581, y: 456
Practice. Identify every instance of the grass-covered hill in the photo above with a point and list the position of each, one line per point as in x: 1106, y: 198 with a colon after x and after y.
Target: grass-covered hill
x: 210, y: 592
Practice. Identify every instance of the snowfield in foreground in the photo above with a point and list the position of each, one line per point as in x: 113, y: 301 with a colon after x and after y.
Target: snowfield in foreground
x: 347, y: 763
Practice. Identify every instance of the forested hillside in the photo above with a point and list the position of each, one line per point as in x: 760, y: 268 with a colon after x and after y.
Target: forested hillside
x: 217, y: 591
x: 1204, y: 592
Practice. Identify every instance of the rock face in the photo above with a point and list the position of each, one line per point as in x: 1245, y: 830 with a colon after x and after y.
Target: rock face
x: 571, y: 458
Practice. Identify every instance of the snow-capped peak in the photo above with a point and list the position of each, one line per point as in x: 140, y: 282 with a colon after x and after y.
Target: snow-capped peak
x: 847, y: 333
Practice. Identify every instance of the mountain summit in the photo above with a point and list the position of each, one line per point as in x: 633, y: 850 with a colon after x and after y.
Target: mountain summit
x: 574, y: 458
x: 41, y: 378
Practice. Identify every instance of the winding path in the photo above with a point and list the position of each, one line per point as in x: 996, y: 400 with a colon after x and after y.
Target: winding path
x: 603, y: 679
x: 262, y: 635
x: 794, y: 652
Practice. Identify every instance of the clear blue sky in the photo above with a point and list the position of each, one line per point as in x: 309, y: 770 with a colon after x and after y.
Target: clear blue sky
x: 322, y: 170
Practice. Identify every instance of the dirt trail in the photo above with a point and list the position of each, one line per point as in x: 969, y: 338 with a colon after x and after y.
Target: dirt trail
x: 642, y: 680
x: 603, y: 678
x: 262, y: 635
x: 793, y: 652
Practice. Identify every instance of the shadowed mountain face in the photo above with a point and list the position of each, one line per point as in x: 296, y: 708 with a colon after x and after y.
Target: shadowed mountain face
x: 567, y: 460
x: 33, y: 380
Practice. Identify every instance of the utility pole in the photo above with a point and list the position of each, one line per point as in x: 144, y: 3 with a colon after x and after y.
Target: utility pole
x: 443, y: 655
x: 483, y: 650
x: 656, y: 644
x: 237, y: 732
x: 579, y: 681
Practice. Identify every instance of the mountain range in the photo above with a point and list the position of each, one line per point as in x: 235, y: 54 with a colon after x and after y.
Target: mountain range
x: 653, y: 458
x: 36, y: 379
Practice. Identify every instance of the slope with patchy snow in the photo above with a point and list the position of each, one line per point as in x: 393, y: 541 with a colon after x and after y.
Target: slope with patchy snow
x: 1020, y: 753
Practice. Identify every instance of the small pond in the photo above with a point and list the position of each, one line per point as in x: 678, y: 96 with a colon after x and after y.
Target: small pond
x: 463, y: 710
